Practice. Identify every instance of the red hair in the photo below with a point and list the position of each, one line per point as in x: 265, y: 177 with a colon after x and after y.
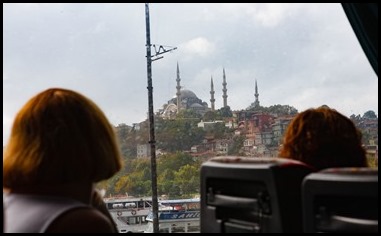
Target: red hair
x: 324, y: 138
x: 60, y: 136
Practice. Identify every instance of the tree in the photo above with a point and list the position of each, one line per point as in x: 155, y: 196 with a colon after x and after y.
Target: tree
x: 210, y: 116
x: 179, y: 134
x: 165, y: 183
x: 187, y: 178
x: 237, y: 145
x: 188, y: 114
x: 278, y: 110
x: 281, y: 110
x: 225, y: 112
x: 121, y: 184
x: 173, y: 161
x: 370, y: 115
x: 218, y: 130
x: 355, y: 118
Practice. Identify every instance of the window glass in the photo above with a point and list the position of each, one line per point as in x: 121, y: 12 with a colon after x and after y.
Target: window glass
x: 229, y: 58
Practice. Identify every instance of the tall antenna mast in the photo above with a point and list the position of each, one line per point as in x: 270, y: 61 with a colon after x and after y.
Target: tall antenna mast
x: 158, y: 51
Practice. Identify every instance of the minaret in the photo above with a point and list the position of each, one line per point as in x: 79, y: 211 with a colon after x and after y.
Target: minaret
x: 256, y: 103
x: 224, y: 90
x: 212, y: 100
x: 178, y: 87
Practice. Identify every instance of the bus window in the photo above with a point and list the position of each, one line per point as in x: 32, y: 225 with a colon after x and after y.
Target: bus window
x: 130, y: 205
x: 239, y: 74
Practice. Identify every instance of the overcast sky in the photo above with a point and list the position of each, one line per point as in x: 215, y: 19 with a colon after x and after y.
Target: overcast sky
x: 303, y: 55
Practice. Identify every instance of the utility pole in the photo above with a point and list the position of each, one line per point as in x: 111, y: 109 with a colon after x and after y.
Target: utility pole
x: 152, y: 140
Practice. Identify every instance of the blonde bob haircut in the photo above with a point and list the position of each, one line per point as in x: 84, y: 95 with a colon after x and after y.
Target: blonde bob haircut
x: 58, y: 137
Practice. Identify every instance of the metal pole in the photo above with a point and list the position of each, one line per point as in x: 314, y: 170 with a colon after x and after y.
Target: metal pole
x: 151, y: 127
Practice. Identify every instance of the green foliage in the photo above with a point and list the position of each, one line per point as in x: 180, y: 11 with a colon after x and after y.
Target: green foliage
x: 225, y: 112
x: 237, y: 145
x: 355, y: 119
x: 278, y: 110
x: 369, y: 133
x: 372, y: 161
x: 114, y: 183
x: 165, y: 183
x: 370, y: 115
x: 210, y: 116
x: 188, y: 114
x: 178, y: 174
x: 178, y: 134
x: 365, y: 136
x: 140, y: 165
x: 218, y: 131
x: 173, y: 161
x: 121, y: 184
x: 188, y: 180
x: 129, y: 138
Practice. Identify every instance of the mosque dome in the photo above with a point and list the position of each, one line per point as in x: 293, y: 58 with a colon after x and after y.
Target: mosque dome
x: 184, y: 93
x: 186, y: 99
x: 196, y: 105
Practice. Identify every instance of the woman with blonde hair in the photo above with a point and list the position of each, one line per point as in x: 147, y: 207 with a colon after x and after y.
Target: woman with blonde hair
x: 61, y: 144
x: 323, y: 138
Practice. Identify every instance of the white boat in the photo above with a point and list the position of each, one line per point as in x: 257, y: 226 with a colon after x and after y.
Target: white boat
x: 129, y: 214
x: 177, y: 216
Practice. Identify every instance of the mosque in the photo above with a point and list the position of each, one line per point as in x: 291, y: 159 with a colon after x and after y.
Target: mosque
x: 187, y: 100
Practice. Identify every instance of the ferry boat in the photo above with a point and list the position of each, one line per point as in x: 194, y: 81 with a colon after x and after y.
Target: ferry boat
x: 129, y: 214
x: 177, y: 216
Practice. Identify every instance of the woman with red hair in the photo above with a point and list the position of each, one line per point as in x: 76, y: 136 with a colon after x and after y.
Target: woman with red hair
x: 323, y: 138
x: 61, y: 144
